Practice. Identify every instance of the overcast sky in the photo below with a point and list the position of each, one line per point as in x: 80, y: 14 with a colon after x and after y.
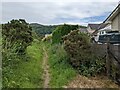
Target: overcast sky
x: 58, y: 11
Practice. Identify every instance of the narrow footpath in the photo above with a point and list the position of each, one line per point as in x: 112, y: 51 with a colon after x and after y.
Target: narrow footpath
x: 79, y: 81
x: 46, y: 74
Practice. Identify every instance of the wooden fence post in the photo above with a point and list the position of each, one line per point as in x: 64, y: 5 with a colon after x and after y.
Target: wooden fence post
x: 108, y: 62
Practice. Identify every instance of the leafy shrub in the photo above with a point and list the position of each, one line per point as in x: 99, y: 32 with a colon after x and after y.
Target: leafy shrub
x: 77, y: 46
x: 17, y: 34
x: 16, y: 37
x: 61, y: 31
x: 23, y: 72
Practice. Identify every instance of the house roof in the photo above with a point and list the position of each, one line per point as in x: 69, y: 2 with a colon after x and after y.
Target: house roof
x: 94, y: 26
x: 102, y: 25
x: 113, y: 14
x: 83, y: 29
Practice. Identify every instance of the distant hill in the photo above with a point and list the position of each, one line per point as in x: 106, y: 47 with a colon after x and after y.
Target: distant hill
x: 42, y: 29
x: 80, y: 26
x: 45, y: 29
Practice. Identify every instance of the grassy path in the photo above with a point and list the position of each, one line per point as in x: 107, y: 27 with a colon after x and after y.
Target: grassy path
x: 60, y: 71
x: 57, y: 73
x: 31, y: 71
x: 46, y: 69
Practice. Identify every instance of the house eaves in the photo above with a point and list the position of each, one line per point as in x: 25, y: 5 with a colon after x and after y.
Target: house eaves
x: 94, y: 26
x: 113, y: 14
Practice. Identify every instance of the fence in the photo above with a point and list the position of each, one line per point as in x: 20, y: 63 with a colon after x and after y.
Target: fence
x: 112, y: 54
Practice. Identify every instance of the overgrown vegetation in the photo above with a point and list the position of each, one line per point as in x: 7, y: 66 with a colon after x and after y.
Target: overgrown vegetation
x: 61, y: 31
x: 67, y: 48
x: 60, y: 70
x: 77, y: 46
x: 28, y: 72
x: 17, y: 35
x: 20, y: 60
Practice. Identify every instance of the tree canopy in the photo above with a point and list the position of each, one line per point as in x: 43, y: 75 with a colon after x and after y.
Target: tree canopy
x: 62, y: 30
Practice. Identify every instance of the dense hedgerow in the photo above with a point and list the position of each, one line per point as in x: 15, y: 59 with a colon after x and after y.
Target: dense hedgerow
x: 61, y: 31
x: 77, y: 45
x: 17, y: 35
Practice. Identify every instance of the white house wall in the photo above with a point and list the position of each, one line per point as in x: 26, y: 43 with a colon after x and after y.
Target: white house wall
x: 119, y: 21
x: 116, y: 23
x: 90, y: 31
x: 108, y: 27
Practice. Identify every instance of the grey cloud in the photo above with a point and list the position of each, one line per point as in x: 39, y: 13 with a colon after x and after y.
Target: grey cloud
x: 47, y: 12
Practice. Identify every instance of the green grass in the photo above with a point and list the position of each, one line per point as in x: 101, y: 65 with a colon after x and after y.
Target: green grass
x: 0, y: 40
x: 33, y: 69
x: 28, y: 74
x: 61, y: 72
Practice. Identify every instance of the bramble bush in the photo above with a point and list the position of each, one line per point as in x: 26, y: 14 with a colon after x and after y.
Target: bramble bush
x: 77, y: 45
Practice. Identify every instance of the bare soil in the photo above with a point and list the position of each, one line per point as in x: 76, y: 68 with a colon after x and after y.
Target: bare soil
x: 46, y: 74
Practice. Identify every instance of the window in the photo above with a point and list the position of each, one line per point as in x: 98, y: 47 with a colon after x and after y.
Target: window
x: 103, y: 32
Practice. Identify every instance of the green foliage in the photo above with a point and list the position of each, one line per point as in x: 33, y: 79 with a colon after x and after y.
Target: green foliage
x: 16, y: 37
x: 61, y: 71
x: 28, y: 72
x: 80, y: 26
x: 61, y: 31
x: 91, y: 68
x: 19, y: 59
x: 16, y: 34
x: 41, y: 30
x: 77, y: 46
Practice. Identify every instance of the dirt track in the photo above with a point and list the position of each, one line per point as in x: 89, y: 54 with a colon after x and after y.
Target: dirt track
x: 46, y: 75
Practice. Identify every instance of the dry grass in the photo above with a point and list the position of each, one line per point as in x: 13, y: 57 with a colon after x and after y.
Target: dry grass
x: 93, y: 82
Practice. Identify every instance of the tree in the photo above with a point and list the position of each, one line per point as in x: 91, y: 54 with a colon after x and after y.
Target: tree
x: 62, y: 30
x: 16, y: 34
